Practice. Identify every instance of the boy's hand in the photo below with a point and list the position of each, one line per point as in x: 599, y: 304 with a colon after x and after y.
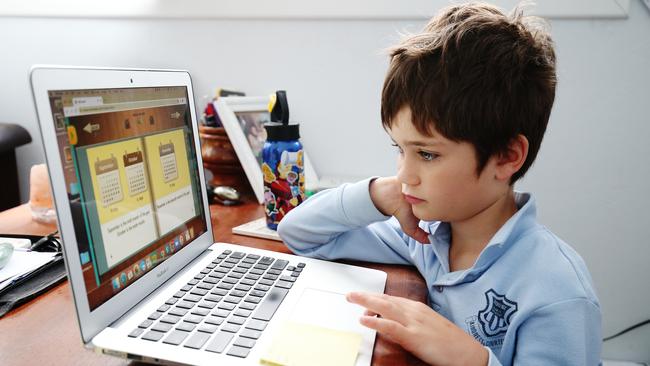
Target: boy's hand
x: 386, y: 194
x: 420, y: 330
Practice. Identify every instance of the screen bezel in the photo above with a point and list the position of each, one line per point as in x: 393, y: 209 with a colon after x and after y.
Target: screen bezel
x: 49, y: 78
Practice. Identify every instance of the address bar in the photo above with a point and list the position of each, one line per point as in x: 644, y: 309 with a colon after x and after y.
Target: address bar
x: 81, y: 110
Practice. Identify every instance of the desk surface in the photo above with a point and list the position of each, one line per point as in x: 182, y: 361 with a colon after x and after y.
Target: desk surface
x: 46, y: 329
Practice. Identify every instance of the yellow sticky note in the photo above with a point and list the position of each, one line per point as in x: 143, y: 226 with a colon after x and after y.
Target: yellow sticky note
x: 296, y: 344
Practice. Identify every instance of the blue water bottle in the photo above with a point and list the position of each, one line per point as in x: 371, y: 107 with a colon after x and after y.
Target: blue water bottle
x: 283, y: 164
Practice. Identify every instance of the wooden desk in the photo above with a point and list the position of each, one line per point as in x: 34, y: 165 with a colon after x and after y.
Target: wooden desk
x: 45, y: 331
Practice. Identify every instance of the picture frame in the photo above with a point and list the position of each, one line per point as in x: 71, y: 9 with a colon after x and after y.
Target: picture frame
x: 243, y: 119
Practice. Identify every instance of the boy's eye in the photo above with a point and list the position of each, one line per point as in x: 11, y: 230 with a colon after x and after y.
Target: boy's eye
x: 398, y: 148
x: 427, y: 155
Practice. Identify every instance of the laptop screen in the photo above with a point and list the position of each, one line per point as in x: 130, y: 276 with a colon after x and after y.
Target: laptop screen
x: 132, y: 180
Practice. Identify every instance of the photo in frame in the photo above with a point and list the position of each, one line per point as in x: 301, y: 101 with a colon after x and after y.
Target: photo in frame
x: 243, y: 119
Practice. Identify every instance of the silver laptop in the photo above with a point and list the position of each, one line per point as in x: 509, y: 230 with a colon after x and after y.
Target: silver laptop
x: 148, y: 281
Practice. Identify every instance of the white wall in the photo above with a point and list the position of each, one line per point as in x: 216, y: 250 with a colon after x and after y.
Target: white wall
x: 590, y: 178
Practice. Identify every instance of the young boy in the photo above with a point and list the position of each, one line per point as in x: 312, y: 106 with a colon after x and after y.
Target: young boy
x: 466, y: 103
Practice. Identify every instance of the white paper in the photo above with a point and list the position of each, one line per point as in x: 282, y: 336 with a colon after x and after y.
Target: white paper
x: 22, y: 262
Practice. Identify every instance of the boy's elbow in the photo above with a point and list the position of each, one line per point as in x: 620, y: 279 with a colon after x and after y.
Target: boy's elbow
x: 285, y: 230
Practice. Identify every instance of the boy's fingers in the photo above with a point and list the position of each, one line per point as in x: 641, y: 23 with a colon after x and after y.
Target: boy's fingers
x: 378, y: 304
x: 369, y: 313
x: 390, y: 328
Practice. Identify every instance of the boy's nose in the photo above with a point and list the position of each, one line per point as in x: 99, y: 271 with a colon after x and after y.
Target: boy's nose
x: 405, y: 174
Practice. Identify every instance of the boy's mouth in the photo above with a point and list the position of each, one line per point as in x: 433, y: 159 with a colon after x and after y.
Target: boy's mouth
x: 412, y: 200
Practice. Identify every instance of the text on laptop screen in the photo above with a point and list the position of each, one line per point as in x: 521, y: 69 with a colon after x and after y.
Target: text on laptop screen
x: 132, y: 180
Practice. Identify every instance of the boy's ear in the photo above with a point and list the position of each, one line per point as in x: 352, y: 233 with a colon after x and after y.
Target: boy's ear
x: 510, y: 161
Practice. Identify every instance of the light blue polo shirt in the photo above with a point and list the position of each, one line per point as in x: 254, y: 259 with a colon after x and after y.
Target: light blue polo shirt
x: 529, y: 298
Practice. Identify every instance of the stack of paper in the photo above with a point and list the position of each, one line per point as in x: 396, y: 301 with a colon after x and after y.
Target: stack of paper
x: 23, y: 263
x: 297, y: 344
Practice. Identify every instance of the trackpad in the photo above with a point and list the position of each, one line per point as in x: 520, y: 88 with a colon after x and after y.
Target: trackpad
x: 328, y: 309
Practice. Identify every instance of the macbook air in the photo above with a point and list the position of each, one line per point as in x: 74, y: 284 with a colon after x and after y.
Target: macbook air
x: 149, y: 283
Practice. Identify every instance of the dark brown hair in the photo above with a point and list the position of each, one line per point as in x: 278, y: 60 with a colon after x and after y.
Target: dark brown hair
x: 476, y: 75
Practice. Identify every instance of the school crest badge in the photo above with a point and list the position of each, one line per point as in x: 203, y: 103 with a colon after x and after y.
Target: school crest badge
x: 495, y: 318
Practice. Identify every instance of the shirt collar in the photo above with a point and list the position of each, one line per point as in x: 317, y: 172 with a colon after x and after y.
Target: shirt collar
x: 519, y: 223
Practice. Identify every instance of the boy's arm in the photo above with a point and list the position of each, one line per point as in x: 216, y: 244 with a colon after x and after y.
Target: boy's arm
x: 562, y: 333
x: 345, y: 223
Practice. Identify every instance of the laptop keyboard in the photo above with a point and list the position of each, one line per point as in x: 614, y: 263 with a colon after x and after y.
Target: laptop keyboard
x: 229, y: 302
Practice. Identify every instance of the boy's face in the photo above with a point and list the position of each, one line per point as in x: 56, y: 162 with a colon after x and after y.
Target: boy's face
x: 438, y: 175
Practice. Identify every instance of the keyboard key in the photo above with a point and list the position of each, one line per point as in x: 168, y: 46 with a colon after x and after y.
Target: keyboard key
x: 239, y: 320
x: 214, y: 320
x: 287, y: 278
x: 221, y: 270
x: 238, y: 293
x: 164, y: 308
x: 227, y: 251
x: 213, y: 298
x: 274, y: 271
x: 298, y: 269
x: 197, y: 340
x: 251, y: 276
x: 185, y: 305
x: 222, y: 313
x: 257, y: 293
x: 253, y: 256
x: 238, y: 351
x: 270, y: 277
x: 219, y: 342
x: 170, y: 319
x: 244, y: 342
x: 244, y: 265
x: 205, y: 271
x: 177, y: 311
x: 232, y: 299
x: 229, y: 280
x: 266, y: 260
x: 262, y: 288
x: 280, y: 264
x: 171, y: 301
x: 207, y: 304
x: 195, y: 319
x: 246, y: 282
x: 242, y: 312
x: 247, y: 306
x: 192, y: 298
x: 233, y: 328
x: 291, y: 268
x: 253, y: 299
x: 188, y: 327
x: 135, y: 333
x: 240, y: 289
x: 238, y: 270
x: 266, y: 282
x: 256, y: 271
x: 284, y: 284
x: 162, y: 327
x: 199, y: 276
x: 207, y: 328
x: 256, y: 324
x: 186, y: 288
x: 219, y: 292
x: 225, y: 286
x: 232, y: 260
x: 155, y: 315
x: 248, y: 261
x: 145, y: 324
x: 179, y: 294
x: 226, y: 265
x: 301, y: 265
x: 211, y: 265
x: 238, y: 255
x: 227, y: 306
x: 295, y: 274
x: 200, y: 311
x: 193, y: 282
x: 153, y: 335
x: 202, y: 288
x: 270, y: 304
x: 176, y: 337
x: 250, y: 333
